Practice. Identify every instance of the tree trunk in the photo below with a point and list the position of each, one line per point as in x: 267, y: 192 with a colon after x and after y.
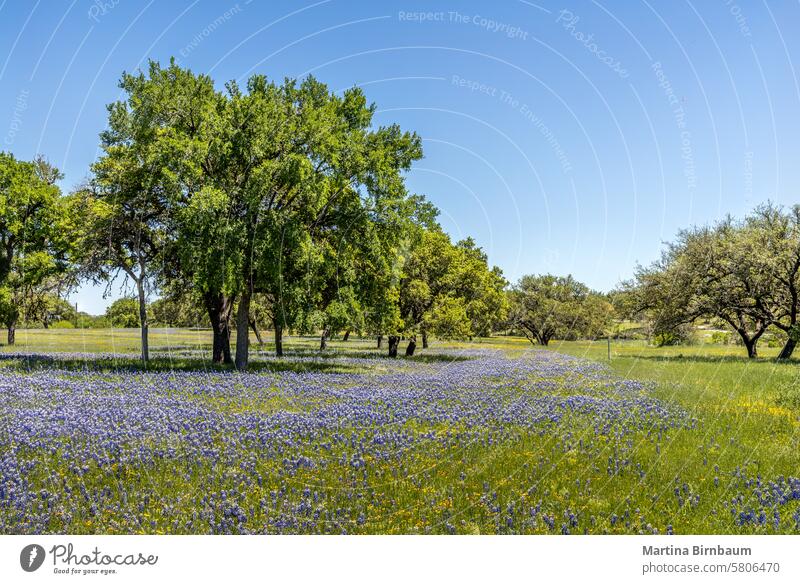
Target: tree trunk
x: 346, y: 336
x: 393, y: 344
x: 254, y: 326
x: 143, y: 321
x: 243, y: 331
x: 12, y: 333
x: 412, y: 346
x: 750, y: 345
x: 219, y: 308
x: 278, y: 338
x: 380, y: 341
x: 424, y: 340
x: 788, y: 349
x: 323, y: 341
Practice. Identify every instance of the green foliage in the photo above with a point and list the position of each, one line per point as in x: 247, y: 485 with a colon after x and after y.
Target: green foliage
x: 550, y: 307
x: 46, y: 309
x: 90, y: 321
x: 721, y: 338
x: 744, y: 273
x: 266, y: 185
x: 184, y: 310
x: 448, y: 319
x: 123, y: 313
x: 682, y: 335
x: 448, y: 289
x: 34, y: 241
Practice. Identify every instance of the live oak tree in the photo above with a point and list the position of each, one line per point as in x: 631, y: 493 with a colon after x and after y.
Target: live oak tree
x: 448, y: 290
x: 33, y: 249
x: 716, y: 266
x: 745, y: 273
x: 352, y: 276
x: 430, y: 273
x: 545, y: 307
x: 772, y: 251
x: 176, y: 119
x: 482, y: 288
x: 263, y: 172
x: 128, y: 198
x: 328, y: 170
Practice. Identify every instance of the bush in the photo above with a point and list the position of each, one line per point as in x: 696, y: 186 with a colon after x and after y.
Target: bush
x: 721, y: 338
x: 62, y: 324
x: 775, y: 339
x: 681, y: 335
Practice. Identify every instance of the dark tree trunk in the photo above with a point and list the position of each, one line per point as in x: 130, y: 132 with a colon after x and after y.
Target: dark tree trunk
x: 346, y: 336
x: 143, y: 321
x: 412, y: 346
x: 254, y: 326
x: 749, y: 337
x: 12, y: 333
x: 424, y: 340
x: 278, y: 337
x: 788, y: 349
x: 393, y: 344
x: 243, y: 331
x: 219, y: 308
x: 323, y: 340
x: 544, y: 341
x: 380, y: 341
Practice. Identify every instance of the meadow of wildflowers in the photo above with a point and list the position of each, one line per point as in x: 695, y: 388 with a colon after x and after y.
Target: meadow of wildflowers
x: 473, y: 441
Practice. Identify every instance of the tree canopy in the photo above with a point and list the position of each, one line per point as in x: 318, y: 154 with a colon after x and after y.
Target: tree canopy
x: 746, y: 273
x: 34, y: 236
x: 545, y: 307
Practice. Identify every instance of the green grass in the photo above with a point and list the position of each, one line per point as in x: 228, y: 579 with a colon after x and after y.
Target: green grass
x: 106, y: 340
x: 749, y: 409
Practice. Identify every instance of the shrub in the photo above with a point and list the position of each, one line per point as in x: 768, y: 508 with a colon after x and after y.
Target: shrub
x: 721, y: 338
x: 680, y: 335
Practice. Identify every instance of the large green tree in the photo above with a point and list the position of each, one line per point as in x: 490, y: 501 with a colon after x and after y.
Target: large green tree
x: 33, y: 224
x: 126, y: 203
x: 771, y: 250
x: 448, y: 289
x: 264, y: 173
x: 745, y: 273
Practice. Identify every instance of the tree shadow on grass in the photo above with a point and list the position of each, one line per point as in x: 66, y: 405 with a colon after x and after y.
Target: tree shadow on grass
x: 45, y: 362
x: 300, y: 361
x: 377, y: 354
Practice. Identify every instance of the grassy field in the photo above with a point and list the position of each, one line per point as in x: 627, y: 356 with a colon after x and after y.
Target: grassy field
x: 750, y: 411
x: 485, y: 437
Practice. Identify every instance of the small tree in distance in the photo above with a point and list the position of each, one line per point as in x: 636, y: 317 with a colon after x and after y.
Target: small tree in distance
x: 547, y: 307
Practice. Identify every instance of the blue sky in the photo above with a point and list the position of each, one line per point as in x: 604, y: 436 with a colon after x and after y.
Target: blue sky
x: 566, y: 137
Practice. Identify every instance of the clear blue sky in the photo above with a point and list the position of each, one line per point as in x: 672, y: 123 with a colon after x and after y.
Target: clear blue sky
x: 569, y: 137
